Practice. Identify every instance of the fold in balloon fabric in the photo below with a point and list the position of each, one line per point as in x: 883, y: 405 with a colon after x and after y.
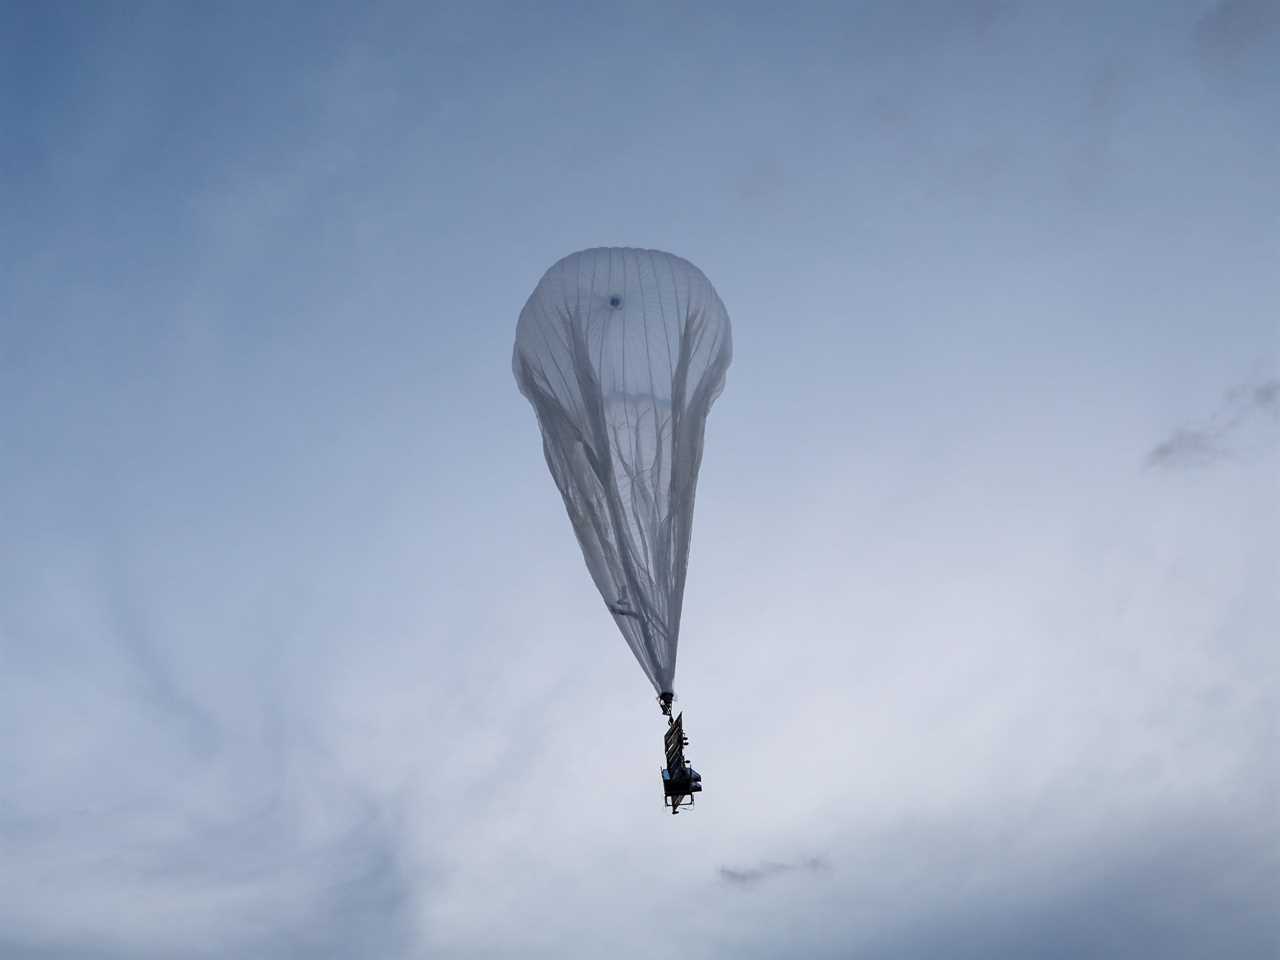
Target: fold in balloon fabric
x: 622, y: 352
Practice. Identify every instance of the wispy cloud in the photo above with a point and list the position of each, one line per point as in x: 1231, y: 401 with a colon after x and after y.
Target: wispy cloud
x: 1242, y: 408
x: 1233, y: 27
x: 246, y: 888
x: 1187, y: 448
x: 769, y: 869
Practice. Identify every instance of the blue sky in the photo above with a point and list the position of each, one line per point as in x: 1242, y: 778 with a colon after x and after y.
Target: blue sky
x: 295, y: 641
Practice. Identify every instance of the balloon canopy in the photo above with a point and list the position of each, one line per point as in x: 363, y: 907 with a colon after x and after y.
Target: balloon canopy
x: 621, y: 352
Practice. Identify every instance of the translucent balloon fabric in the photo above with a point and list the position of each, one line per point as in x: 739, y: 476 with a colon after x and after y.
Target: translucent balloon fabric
x: 621, y: 352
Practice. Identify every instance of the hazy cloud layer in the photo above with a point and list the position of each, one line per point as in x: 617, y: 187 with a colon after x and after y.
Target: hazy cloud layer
x: 298, y: 656
x: 1233, y: 27
x: 1177, y: 890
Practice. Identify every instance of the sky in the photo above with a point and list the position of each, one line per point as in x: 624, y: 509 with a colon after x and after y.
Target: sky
x: 298, y: 655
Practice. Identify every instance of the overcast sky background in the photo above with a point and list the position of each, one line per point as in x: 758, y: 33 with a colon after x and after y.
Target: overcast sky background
x: 298, y: 655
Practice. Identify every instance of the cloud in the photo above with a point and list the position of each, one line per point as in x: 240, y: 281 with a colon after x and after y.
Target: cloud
x: 162, y: 804
x: 1176, y: 890
x: 340, y: 685
x: 1233, y: 28
x: 1262, y: 397
x: 750, y: 876
x: 1186, y: 448
x: 153, y: 682
x: 242, y: 889
x: 1034, y: 881
x: 1236, y: 46
x: 1243, y: 408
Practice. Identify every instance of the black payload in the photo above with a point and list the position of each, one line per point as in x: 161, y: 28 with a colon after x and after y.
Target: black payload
x: 679, y: 780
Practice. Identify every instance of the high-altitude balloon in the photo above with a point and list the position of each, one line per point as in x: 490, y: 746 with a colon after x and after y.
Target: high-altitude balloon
x: 621, y: 352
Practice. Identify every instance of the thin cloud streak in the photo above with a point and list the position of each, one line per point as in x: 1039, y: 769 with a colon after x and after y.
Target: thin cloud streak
x: 770, y: 869
x: 1243, y: 408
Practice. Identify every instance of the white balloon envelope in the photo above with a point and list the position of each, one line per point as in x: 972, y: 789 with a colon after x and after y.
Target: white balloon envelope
x: 622, y: 352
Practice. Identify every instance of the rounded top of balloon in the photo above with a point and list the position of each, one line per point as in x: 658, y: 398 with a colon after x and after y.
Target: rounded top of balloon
x: 621, y: 353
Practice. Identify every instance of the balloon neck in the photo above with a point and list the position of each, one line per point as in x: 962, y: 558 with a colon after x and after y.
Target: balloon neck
x: 664, y: 702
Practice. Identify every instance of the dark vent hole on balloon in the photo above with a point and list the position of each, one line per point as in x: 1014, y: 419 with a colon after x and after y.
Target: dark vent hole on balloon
x: 615, y: 301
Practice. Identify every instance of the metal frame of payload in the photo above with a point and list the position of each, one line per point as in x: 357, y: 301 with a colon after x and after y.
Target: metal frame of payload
x: 679, y: 780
